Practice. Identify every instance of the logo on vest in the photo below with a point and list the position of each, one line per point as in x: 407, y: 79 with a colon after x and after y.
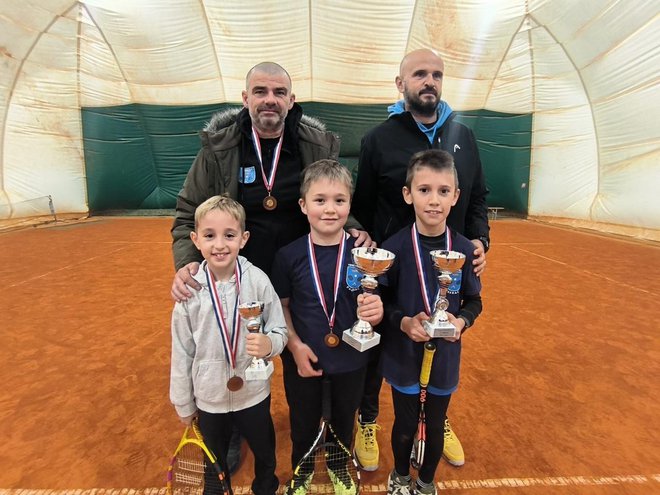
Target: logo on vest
x: 247, y: 175
x: 456, y: 279
x: 353, y: 277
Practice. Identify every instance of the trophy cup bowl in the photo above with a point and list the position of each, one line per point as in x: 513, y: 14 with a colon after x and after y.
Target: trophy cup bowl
x: 446, y: 263
x: 371, y: 262
x: 259, y: 368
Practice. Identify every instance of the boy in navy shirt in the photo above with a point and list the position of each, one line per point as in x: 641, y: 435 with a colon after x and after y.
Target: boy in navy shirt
x: 432, y: 189
x: 319, y: 290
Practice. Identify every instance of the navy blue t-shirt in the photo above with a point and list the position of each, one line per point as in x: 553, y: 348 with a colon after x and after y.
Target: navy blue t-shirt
x: 401, y: 358
x: 292, y: 278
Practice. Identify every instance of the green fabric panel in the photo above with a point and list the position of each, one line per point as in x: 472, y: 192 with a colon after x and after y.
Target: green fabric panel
x: 137, y: 156
x: 351, y: 122
x: 505, y: 149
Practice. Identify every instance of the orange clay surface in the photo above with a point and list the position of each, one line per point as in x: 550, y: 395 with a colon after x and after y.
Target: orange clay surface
x: 559, y: 376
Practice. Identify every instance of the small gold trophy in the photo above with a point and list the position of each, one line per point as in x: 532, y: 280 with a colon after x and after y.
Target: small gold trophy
x: 371, y: 262
x: 446, y: 262
x: 259, y: 368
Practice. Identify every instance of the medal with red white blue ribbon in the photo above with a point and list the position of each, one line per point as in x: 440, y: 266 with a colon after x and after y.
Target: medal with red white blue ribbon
x: 229, y: 339
x: 269, y: 203
x: 331, y: 340
x: 420, y: 266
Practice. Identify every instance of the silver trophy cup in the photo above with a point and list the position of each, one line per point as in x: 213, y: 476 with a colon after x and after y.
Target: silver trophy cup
x: 446, y: 263
x: 259, y: 368
x: 371, y: 262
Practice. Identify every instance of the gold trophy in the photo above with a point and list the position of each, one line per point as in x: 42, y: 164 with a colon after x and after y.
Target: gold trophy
x: 259, y: 368
x: 446, y: 262
x: 371, y: 262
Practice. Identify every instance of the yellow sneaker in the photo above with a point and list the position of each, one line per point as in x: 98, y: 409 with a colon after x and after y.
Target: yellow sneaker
x: 453, y: 450
x: 366, y: 446
x: 299, y: 485
x: 342, y: 482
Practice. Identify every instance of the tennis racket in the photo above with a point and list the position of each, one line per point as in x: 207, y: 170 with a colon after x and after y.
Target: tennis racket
x: 419, y: 445
x: 328, y: 467
x: 194, y: 470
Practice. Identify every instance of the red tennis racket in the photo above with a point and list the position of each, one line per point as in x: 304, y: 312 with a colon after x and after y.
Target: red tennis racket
x: 419, y: 445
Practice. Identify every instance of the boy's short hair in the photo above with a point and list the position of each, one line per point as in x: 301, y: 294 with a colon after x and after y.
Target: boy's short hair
x: 222, y: 203
x: 438, y: 160
x: 328, y: 169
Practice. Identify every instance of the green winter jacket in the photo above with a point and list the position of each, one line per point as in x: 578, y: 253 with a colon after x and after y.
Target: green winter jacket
x: 216, y: 166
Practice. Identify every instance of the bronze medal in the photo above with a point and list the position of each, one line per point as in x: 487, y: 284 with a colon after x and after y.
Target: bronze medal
x: 270, y: 203
x: 235, y: 383
x: 331, y: 340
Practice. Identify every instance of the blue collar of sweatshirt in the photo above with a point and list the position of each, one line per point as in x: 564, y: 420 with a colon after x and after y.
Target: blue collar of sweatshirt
x: 444, y: 111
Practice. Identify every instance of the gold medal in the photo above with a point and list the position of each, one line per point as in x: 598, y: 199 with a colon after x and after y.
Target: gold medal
x: 331, y: 340
x: 270, y: 203
x: 235, y: 383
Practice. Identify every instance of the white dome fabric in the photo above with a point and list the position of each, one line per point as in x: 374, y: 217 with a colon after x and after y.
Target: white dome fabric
x: 588, y: 72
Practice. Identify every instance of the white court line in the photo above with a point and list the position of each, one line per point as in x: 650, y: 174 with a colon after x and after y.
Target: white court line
x: 631, y: 479
x: 42, y: 275
x: 615, y: 283
x: 552, y: 481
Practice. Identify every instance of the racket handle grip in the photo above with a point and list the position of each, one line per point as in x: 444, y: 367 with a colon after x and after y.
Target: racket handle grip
x: 425, y: 374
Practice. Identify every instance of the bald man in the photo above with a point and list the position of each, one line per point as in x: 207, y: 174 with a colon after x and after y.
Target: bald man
x: 420, y: 121
x: 254, y: 155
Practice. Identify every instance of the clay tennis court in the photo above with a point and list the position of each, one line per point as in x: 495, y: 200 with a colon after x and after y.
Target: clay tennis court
x: 559, y: 387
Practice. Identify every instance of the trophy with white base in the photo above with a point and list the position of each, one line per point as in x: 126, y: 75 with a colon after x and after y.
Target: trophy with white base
x: 446, y: 263
x: 371, y: 262
x: 259, y: 368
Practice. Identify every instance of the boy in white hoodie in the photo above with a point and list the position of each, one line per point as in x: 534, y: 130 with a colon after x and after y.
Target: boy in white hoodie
x: 211, y: 347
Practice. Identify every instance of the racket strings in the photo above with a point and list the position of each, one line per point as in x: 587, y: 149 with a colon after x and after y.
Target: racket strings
x: 192, y: 474
x: 188, y: 469
x: 329, y: 469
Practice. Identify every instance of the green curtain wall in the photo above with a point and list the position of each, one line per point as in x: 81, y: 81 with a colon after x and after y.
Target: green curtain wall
x: 137, y: 156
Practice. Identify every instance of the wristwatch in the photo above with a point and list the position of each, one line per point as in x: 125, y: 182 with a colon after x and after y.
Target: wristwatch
x: 484, y: 240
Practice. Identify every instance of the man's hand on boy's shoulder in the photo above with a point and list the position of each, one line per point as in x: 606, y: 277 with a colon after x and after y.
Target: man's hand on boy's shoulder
x: 412, y: 327
x: 362, y: 238
x: 183, y: 279
x: 479, y: 261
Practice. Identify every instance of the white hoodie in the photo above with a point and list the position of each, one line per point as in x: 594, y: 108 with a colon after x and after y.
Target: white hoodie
x: 200, y: 368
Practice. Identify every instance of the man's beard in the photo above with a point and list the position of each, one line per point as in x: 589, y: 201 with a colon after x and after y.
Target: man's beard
x: 415, y: 104
x: 270, y: 123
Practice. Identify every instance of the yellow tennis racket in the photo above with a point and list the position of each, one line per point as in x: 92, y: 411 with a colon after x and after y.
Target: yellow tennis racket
x: 194, y: 469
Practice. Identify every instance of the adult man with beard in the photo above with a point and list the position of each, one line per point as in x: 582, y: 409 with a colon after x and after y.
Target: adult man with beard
x: 422, y: 120
x: 255, y: 156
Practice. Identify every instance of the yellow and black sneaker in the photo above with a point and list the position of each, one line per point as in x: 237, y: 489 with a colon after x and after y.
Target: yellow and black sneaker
x: 342, y: 482
x: 299, y: 486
